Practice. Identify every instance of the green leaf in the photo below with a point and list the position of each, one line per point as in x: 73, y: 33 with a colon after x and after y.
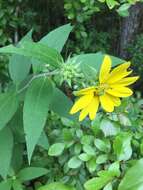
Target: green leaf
x: 89, y: 72
x: 30, y: 173
x: 124, y: 120
x: 5, y: 185
x: 17, y: 158
x: 35, y: 50
x: 133, y: 179
x: 95, y: 60
x: 91, y: 165
x: 6, y: 148
x: 102, y: 145
x: 111, y: 3
x: 56, y: 149
x: 123, y: 10
x: 16, y: 124
x: 36, y: 106
x: 61, y: 104
x: 43, y: 141
x: 17, y: 185
x: 122, y: 146
x: 98, y: 183
x: 84, y: 157
x: 89, y: 150
x: 8, y: 106
x: 115, y: 169
x: 108, y: 128
x: 87, y: 139
x: 53, y: 40
x: 19, y: 66
x: 108, y: 186
x: 74, y: 162
x: 56, y: 186
x: 77, y: 148
x: 102, y: 158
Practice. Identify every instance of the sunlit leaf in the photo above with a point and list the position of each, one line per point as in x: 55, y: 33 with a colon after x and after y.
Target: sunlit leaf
x: 56, y: 186
x: 133, y: 179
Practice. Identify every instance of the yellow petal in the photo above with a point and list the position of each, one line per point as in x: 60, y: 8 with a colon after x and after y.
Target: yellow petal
x: 105, y: 69
x: 116, y: 101
x: 107, y: 103
x: 125, y: 81
x: 93, y: 107
x: 81, y: 103
x: 120, y: 91
x: 118, y: 73
x: 83, y: 114
x: 84, y: 91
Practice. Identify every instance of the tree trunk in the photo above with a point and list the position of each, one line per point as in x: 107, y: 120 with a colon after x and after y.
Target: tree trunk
x: 129, y: 28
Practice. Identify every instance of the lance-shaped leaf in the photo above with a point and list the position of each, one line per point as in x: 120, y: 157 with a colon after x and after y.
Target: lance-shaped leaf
x: 61, y: 104
x: 53, y: 40
x: 8, y: 106
x: 19, y: 65
x: 36, y: 106
x: 30, y: 173
x: 94, y: 60
x: 35, y: 50
x: 6, y: 148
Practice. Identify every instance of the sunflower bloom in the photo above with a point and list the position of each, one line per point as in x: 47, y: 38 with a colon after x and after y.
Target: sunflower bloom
x: 112, y: 87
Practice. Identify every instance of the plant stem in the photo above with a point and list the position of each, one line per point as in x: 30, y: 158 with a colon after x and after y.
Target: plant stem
x: 38, y: 76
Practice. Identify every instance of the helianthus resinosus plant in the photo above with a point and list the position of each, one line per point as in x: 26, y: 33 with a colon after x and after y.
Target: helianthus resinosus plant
x: 112, y: 86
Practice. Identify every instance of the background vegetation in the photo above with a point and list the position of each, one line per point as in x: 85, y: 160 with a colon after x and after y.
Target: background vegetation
x: 104, y: 154
x: 98, y: 25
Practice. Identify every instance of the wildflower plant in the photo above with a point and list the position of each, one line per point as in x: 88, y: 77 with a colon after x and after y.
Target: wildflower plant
x: 109, y: 90
x: 43, y: 145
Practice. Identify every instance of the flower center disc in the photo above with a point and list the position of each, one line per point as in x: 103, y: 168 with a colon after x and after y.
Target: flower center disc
x: 101, y: 89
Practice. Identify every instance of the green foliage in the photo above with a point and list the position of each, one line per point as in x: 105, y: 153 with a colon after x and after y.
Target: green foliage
x: 135, y: 51
x: 56, y: 149
x: 90, y: 17
x: 36, y: 106
x: 6, y: 147
x: 54, y: 41
x: 132, y: 181
x: 9, y: 104
x: 58, y: 186
x: 35, y: 124
x: 30, y: 173
x: 15, y: 19
x: 19, y: 66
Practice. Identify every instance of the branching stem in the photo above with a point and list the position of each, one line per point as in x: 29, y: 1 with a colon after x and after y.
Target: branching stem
x: 38, y: 76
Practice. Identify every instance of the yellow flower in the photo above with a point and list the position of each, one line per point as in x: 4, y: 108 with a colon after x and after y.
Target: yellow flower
x: 112, y: 86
